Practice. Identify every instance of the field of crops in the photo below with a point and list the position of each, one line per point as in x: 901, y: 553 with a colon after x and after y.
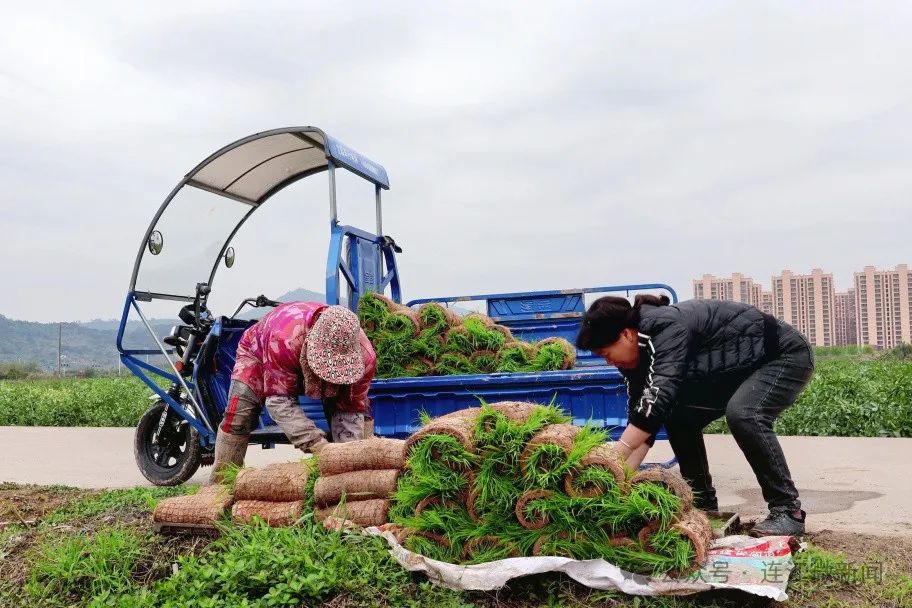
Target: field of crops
x: 860, y: 395
x: 73, y: 402
x: 851, y: 397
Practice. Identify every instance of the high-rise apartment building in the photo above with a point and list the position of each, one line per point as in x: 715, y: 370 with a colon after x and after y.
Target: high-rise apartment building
x: 737, y: 288
x: 845, y: 319
x: 882, y: 300
x: 807, y: 303
x: 767, y: 304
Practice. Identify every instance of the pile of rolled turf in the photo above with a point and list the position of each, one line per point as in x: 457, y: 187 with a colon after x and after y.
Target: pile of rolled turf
x: 515, y: 479
x: 435, y: 341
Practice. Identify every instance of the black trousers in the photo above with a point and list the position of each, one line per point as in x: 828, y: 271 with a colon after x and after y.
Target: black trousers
x: 750, y: 405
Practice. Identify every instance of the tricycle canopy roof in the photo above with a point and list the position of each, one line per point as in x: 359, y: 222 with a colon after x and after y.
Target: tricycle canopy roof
x: 248, y: 172
x: 256, y: 167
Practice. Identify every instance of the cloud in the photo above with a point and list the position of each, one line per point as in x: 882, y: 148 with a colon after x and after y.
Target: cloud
x: 532, y: 146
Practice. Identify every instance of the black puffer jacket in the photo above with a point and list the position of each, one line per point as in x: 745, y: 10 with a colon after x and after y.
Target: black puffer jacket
x: 690, y: 344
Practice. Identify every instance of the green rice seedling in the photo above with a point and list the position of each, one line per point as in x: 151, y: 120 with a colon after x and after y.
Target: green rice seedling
x: 652, y: 501
x: 549, y: 463
x: 435, y: 453
x: 495, y: 492
x: 549, y: 358
x: 513, y: 533
x: 432, y: 319
x: 400, y: 325
x: 546, y: 466
x: 481, y: 335
x: 389, y: 369
x: 394, y: 348
x: 672, y: 544
x: 597, y: 479
x: 229, y: 476
x: 429, y: 547
x: 451, y: 364
x: 417, y: 368
x: 554, y: 354
x: 516, y: 357
x: 372, y: 312
x: 429, y: 344
x: 488, y: 549
x: 458, y: 341
x: 485, y: 361
x: 589, y: 437
x: 312, y: 477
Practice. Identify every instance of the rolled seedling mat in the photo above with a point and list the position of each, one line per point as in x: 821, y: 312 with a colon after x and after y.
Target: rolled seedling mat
x: 590, y: 478
x: 507, y: 334
x: 516, y: 357
x: 650, y: 528
x: 364, y: 513
x: 377, y: 453
x: 482, y: 334
x: 675, y: 539
x: 355, y: 485
x: 488, y: 548
x: 402, y: 323
x: 372, y: 310
x: 428, y: 544
x: 207, y: 506
x: 554, y: 354
x: 429, y: 345
x: 276, y: 514
x: 546, y: 545
x: 279, y: 482
x: 469, y: 412
x: 536, y: 456
x: 485, y: 361
x: 477, y: 317
x: 454, y: 364
x: 418, y: 367
x: 517, y: 412
x: 529, y: 516
x: 696, y: 527
x: 461, y: 428
x: 458, y: 341
x: 437, y: 317
x: 674, y: 482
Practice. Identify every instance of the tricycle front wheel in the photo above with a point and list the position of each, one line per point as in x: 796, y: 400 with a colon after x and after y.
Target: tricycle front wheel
x: 169, y: 457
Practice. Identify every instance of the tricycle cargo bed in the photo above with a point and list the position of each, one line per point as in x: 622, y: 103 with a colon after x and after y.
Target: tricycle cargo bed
x: 596, y: 394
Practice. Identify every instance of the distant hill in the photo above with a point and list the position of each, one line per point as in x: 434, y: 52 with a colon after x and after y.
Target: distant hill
x: 92, y: 344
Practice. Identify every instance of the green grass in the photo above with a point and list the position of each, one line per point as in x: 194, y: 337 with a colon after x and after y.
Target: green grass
x: 850, y: 397
x: 73, y: 402
x: 99, y: 566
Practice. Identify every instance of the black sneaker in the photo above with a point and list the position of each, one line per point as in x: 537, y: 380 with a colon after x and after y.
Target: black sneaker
x: 781, y: 521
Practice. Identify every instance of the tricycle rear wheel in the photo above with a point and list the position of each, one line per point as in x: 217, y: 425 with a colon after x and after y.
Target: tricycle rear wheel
x: 175, y: 456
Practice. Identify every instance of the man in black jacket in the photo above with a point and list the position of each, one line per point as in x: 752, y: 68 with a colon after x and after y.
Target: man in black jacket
x: 689, y: 364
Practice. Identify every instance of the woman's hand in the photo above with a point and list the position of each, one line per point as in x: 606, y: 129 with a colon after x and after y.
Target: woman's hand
x: 632, y: 445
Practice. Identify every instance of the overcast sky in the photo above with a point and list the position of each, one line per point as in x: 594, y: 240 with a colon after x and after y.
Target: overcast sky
x: 529, y: 145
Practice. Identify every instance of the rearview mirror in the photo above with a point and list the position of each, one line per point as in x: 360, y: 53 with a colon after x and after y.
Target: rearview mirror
x: 229, y: 257
x: 156, y: 242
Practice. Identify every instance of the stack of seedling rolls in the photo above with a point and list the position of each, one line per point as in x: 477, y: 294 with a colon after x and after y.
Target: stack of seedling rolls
x: 515, y: 479
x: 433, y: 340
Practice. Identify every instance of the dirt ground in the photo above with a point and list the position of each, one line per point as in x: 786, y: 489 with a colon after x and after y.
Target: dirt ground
x: 27, y: 504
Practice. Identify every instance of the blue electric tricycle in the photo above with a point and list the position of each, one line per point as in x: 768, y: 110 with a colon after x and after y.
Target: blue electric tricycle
x: 177, y: 434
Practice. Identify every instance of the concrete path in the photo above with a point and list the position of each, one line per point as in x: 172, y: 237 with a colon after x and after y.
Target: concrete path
x: 846, y: 484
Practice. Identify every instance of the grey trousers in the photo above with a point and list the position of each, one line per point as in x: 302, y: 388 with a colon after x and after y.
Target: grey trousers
x: 750, y: 410
x: 244, y: 410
